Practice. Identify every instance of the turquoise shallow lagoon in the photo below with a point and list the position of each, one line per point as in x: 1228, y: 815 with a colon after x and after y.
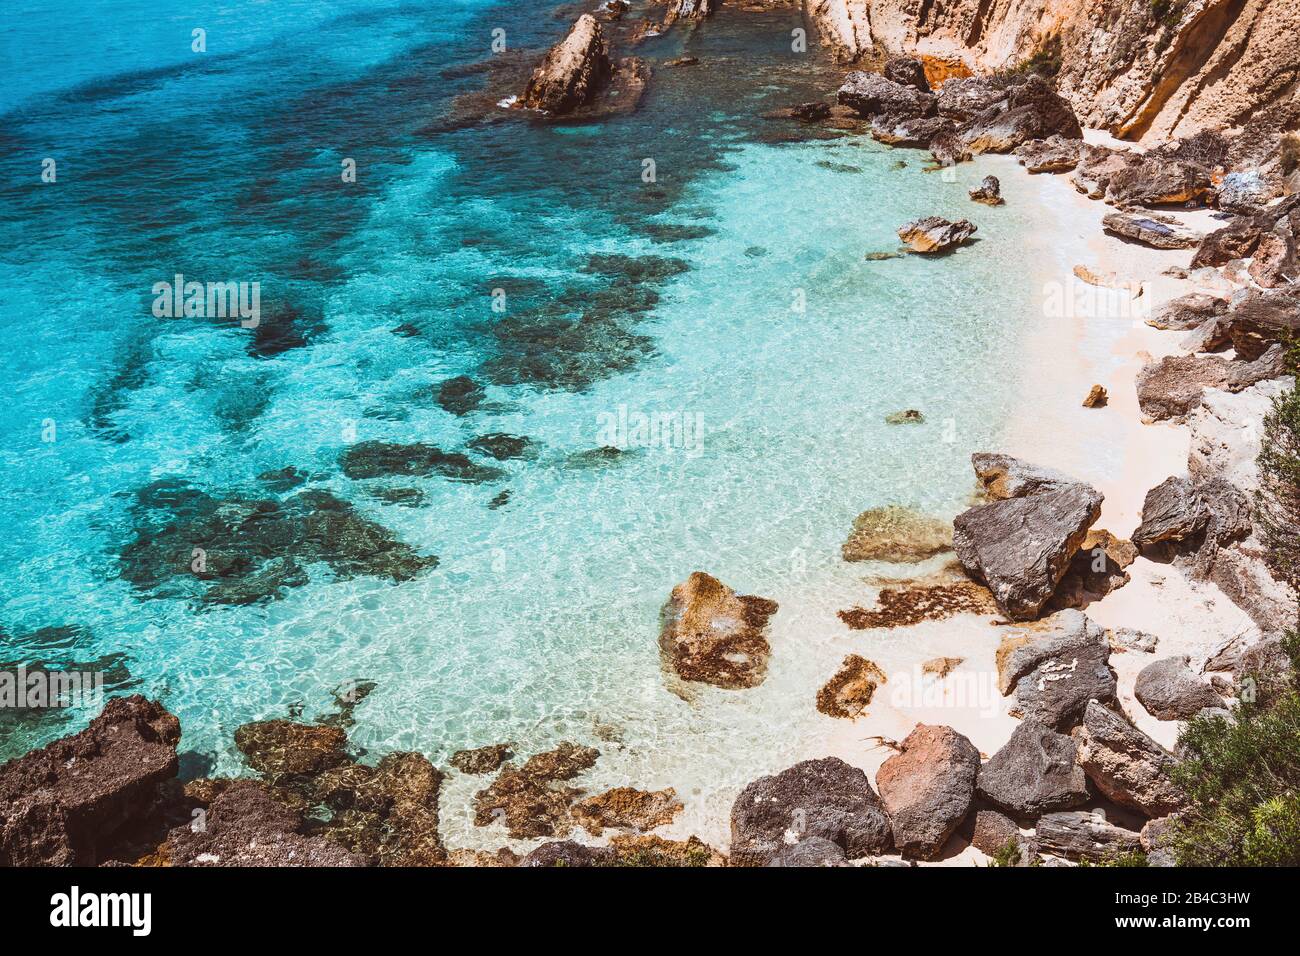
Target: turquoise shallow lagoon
x: 768, y: 330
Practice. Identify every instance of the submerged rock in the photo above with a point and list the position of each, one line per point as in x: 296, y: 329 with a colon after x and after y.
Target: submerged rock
x: 501, y: 446
x: 1126, y: 765
x: 935, y: 234
x: 713, y: 635
x: 377, y: 459
x: 627, y: 808
x: 460, y: 395
x: 909, y: 416
x: 927, y: 788
x: 527, y: 800
x: 897, y: 534
x: 482, y: 759
x: 848, y: 693
x: 824, y: 798
x: 911, y: 604
x: 567, y: 853
x: 64, y: 804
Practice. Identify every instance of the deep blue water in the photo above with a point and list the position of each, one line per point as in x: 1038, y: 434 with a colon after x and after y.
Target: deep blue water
x: 539, y: 621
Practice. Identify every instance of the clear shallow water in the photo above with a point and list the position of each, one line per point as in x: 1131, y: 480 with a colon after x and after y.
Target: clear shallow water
x: 540, y: 622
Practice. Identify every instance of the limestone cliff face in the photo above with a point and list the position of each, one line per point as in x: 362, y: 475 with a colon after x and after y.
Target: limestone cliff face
x: 1144, y: 69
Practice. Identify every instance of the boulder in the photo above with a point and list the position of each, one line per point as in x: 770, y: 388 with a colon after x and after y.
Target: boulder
x: 989, y: 192
x: 813, y: 112
x: 812, y: 851
x: 1002, y: 477
x: 1056, y: 154
x: 62, y: 805
x: 1243, y: 192
x: 1022, y: 547
x: 627, y: 808
x: 573, y: 71
x: 993, y: 831
x: 245, y: 826
x: 848, y: 693
x: 948, y: 149
x: 871, y: 94
x: 1032, y: 110
x: 1095, y: 167
x: 1170, y: 691
x: 1188, y: 312
x: 824, y: 798
x: 482, y: 759
x: 1125, y: 765
x: 935, y: 234
x: 1154, y: 180
x: 896, y: 534
x: 917, y: 132
x: 713, y: 635
x: 1096, y: 397
x: 1174, y: 385
x: 1084, y: 835
x: 906, y: 71
x: 927, y: 788
x: 1156, y: 838
x: 1171, y: 511
x: 1054, y: 674
x: 1259, y: 321
x: 567, y: 853
x: 1160, y: 232
x: 964, y: 98
x: 1036, y: 771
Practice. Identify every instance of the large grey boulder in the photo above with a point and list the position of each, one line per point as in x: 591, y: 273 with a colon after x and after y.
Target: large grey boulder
x: 1260, y: 321
x: 964, y: 98
x: 1264, y: 670
x: 1056, y: 154
x: 1126, y: 765
x: 1003, y: 476
x: 1032, y: 110
x: 1157, y: 231
x: 1169, y: 690
x: 1022, y: 547
x: 1055, y: 674
x: 1084, y: 835
x: 810, y: 852
x: 1188, y: 312
x: 1207, y: 514
x: 825, y: 798
x: 927, y: 788
x: 1036, y: 771
x: 870, y: 94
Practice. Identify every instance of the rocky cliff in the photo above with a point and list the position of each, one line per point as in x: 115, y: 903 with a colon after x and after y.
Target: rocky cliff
x: 1143, y: 69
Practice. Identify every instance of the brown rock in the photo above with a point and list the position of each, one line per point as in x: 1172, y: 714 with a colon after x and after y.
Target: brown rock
x: 905, y: 606
x: 283, y: 750
x: 713, y: 635
x: 1096, y: 397
x: 572, y: 72
x: 627, y: 808
x: 935, y: 234
x: 482, y: 759
x: 927, y: 788
x: 526, y: 799
x: 1126, y: 765
x: 941, y: 667
x: 848, y: 693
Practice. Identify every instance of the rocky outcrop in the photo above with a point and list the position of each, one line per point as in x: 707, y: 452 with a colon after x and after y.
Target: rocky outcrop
x: 897, y: 534
x: 1169, y: 690
x: 528, y: 799
x: 1126, y: 765
x: 1002, y: 476
x: 934, y: 234
x: 567, y: 853
x: 907, y: 71
x: 848, y: 693
x: 1188, y: 312
x: 1035, y: 772
x: 1084, y: 835
x: 1054, y: 674
x: 1259, y: 322
x: 1173, y: 386
x: 927, y: 788
x: 1160, y: 232
x: 1032, y: 110
x: 62, y: 805
x: 573, y: 71
x: 824, y: 798
x: 810, y: 852
x: 1180, y: 511
x: 1056, y: 154
x: 989, y: 192
x: 713, y: 635
x: 482, y: 759
x: 1022, y: 546
x: 245, y: 826
x: 871, y: 95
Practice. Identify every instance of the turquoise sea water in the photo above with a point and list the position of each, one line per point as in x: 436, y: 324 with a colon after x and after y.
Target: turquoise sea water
x: 761, y: 325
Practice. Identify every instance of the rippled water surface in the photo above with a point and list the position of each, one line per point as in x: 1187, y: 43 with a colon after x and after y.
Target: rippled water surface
x: 743, y: 308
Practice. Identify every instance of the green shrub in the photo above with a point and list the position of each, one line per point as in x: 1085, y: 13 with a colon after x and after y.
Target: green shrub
x: 1006, y: 855
x: 1243, y: 780
x: 1277, y: 503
